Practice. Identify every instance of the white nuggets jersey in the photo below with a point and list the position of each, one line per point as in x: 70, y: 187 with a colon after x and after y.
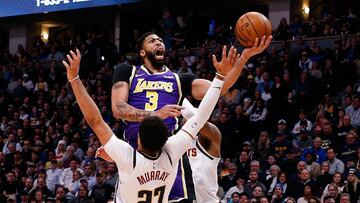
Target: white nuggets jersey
x: 144, y: 179
x: 204, y: 173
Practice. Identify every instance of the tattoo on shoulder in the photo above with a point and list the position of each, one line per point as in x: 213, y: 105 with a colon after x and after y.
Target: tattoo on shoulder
x: 118, y: 85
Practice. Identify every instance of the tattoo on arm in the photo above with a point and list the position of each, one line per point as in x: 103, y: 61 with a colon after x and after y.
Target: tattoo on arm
x: 129, y: 113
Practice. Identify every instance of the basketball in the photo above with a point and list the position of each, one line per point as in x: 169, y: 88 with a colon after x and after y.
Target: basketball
x: 250, y: 26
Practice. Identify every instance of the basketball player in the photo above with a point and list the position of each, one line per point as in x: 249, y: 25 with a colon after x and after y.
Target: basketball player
x: 148, y: 173
x: 204, y: 157
x: 152, y: 89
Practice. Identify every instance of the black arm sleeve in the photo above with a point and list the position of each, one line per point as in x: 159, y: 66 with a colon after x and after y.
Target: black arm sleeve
x: 122, y: 72
x: 186, y: 80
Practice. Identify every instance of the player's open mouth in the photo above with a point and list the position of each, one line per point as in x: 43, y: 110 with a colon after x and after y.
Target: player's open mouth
x: 159, y: 53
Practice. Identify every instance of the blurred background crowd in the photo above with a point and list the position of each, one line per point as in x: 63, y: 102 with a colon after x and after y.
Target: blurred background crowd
x: 290, y: 125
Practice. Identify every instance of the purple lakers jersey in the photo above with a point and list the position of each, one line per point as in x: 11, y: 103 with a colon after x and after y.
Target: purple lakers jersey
x: 151, y: 92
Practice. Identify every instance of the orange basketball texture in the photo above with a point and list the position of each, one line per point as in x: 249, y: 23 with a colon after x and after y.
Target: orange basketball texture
x: 250, y: 26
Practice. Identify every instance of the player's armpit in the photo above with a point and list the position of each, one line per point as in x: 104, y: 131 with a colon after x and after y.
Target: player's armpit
x: 100, y: 152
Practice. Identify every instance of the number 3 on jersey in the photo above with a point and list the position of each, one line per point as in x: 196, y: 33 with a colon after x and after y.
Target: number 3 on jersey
x: 153, y: 100
x: 147, y: 195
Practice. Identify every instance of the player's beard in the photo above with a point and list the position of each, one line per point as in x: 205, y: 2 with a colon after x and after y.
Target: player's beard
x: 158, y: 64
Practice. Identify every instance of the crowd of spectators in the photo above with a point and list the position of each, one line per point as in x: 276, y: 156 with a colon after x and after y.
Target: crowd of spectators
x: 286, y: 134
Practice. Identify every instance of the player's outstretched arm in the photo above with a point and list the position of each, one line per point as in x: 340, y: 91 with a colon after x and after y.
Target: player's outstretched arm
x: 200, y: 86
x: 258, y: 47
x: 178, y: 144
x: 87, y: 105
x: 210, y: 135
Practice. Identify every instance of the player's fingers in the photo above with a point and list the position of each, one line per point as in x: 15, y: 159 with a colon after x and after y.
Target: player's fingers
x: 78, y: 53
x: 175, y: 106
x: 73, y: 56
x: 223, y: 53
x: 233, y: 57
x: 256, y: 43
x: 66, y: 65
x: 215, y: 62
x: 269, y: 39
x: 69, y: 59
x: 263, y: 40
x: 231, y: 51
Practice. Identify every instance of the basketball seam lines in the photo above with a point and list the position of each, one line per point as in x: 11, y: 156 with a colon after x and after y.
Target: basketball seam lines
x: 264, y: 24
x: 252, y: 25
x: 240, y: 33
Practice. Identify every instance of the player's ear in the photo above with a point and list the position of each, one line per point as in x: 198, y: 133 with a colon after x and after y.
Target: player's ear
x: 142, y: 53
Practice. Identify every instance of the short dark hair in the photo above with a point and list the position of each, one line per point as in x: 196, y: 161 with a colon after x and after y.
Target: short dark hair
x: 235, y: 193
x: 153, y: 133
x: 140, y: 41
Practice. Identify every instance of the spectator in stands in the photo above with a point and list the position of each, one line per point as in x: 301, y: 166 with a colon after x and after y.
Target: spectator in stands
x: 55, y: 55
x: 336, y: 165
x: 317, y: 150
x: 101, y: 192
x: 333, y: 192
x: 305, y: 63
x: 69, y: 156
x: 347, y: 152
x: 229, y: 181
x: 272, y: 179
x: 282, y: 31
x: 235, y: 198
x: 41, y: 187
x: 82, y: 196
x: 278, y: 195
x: 343, y: 126
x: 302, y: 122
x: 112, y: 174
x: 354, y: 112
x: 239, y: 188
x: 352, y: 186
x: 67, y: 174
x: 53, y: 175
x: 89, y: 174
x: 253, y: 183
x: 60, y: 150
x: 303, y: 140
x: 28, y: 186
x: 60, y: 195
x: 313, y: 167
x: 324, y: 178
x: 263, y: 146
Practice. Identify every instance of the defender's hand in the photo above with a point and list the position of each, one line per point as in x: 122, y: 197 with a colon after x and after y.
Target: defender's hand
x: 72, y: 67
x: 257, y: 47
x: 227, y: 61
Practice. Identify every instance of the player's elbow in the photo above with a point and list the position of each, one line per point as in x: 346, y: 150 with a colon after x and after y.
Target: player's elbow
x: 117, y: 109
x: 116, y: 114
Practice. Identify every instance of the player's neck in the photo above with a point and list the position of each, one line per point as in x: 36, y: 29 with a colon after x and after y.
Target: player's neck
x: 152, y: 68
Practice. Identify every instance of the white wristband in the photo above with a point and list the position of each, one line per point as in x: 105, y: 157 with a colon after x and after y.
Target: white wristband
x: 74, y: 78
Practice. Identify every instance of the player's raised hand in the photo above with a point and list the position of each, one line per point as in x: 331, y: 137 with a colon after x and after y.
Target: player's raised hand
x: 73, y: 64
x: 170, y: 110
x: 258, y: 47
x: 227, y: 61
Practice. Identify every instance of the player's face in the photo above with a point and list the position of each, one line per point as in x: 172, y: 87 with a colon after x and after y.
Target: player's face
x: 154, y: 50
